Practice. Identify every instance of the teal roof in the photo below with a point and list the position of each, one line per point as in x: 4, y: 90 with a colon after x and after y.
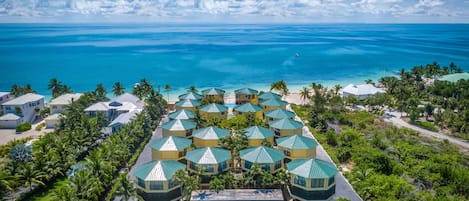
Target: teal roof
x: 210, y: 133
x: 455, y: 77
x: 247, y: 91
x: 269, y: 95
x: 179, y: 125
x: 257, y: 132
x: 190, y: 95
x: 213, y: 91
x: 273, y: 102
x: 170, y: 143
x: 279, y: 113
x: 261, y: 154
x: 286, y: 124
x: 182, y: 114
x: 296, y: 142
x: 187, y: 103
x: 208, y: 155
x: 312, y: 168
x: 248, y: 107
x: 213, y: 107
x: 158, y: 170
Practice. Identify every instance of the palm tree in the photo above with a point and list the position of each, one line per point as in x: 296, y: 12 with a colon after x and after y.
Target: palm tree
x: 30, y: 174
x: 280, y: 86
x: 100, y: 92
x: 188, y: 183
x: 337, y: 88
x: 15, y: 90
x: 118, y: 89
x: 7, y: 181
x: 216, y: 184
x: 167, y: 88
x: 66, y: 192
x: 126, y: 188
x: 304, y: 94
x: 28, y: 89
x: 198, y: 119
x: 192, y: 89
x: 369, y: 81
x: 55, y: 86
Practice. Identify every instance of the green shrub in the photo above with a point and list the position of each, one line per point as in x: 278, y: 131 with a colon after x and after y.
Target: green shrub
x: 40, y: 126
x: 23, y: 127
x: 425, y: 125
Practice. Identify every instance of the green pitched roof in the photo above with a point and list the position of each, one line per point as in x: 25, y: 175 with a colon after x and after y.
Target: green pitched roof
x: 279, y: 113
x: 187, y: 103
x: 248, y: 107
x: 257, y: 132
x: 455, y: 77
x: 210, y: 133
x: 261, y: 154
x: 158, y: 170
x: 214, y: 107
x: 179, y: 125
x: 190, y: 95
x: 269, y: 95
x: 182, y: 114
x: 247, y: 91
x: 213, y: 91
x: 273, y: 102
x: 286, y: 124
x: 312, y: 168
x: 170, y: 143
x: 208, y: 155
x: 296, y: 142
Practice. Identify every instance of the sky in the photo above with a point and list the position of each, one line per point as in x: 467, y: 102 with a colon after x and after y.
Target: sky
x: 236, y: 11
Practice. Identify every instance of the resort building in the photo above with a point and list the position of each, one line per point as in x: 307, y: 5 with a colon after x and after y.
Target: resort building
x: 169, y: 148
x: 249, y: 108
x: 278, y: 114
x: 20, y: 110
x: 214, y: 95
x: 246, y: 95
x: 209, y: 137
x: 187, y: 104
x: 181, y: 114
x: 59, y: 104
x: 155, y: 180
x: 297, y: 146
x: 191, y: 96
x: 362, y: 91
x: 257, y: 135
x: 178, y: 127
x: 268, y: 95
x: 214, y: 110
x: 311, y: 179
x: 4, y: 97
x: 122, y: 120
x: 286, y: 126
x: 272, y: 104
x: 116, y: 106
x: 267, y: 158
x: 210, y: 160
x: 53, y: 120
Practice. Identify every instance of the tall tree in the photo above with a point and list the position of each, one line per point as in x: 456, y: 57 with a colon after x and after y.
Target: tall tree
x: 30, y: 174
x: 118, y: 89
x: 304, y: 94
x: 100, y: 92
x: 167, y: 88
x: 126, y: 188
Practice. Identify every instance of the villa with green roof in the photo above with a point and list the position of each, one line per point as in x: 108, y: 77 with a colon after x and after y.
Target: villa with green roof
x: 256, y: 135
x: 214, y: 110
x: 246, y: 95
x: 212, y: 160
x: 209, y: 137
x: 249, y: 108
x: 278, y: 114
x: 267, y: 158
x: 286, y: 126
x: 297, y: 146
x: 154, y: 179
x: 272, y: 104
x: 181, y: 114
x: 214, y: 95
x: 191, y: 96
x: 312, y: 179
x: 178, y: 127
x: 170, y: 148
x: 187, y: 104
x: 268, y: 95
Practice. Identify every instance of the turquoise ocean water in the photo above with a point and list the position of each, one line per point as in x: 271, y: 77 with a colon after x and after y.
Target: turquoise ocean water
x: 227, y: 56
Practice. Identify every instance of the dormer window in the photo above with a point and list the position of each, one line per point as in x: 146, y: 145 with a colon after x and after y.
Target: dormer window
x: 115, y: 104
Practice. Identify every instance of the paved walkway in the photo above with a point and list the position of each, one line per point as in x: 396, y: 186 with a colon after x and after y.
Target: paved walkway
x: 342, y: 187
x: 7, y: 135
x: 430, y: 134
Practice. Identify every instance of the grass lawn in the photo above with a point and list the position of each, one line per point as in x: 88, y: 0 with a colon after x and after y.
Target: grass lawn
x: 47, y: 194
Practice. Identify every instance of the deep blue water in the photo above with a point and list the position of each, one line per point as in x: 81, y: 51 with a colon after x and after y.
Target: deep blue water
x: 229, y: 56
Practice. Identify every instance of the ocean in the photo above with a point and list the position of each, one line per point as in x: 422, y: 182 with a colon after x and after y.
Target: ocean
x: 229, y: 56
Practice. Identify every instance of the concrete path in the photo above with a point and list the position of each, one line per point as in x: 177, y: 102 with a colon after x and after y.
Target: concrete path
x: 7, y: 135
x: 342, y: 187
x: 394, y: 118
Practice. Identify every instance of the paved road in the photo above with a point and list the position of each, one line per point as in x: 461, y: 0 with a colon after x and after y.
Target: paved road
x: 342, y: 186
x: 401, y: 123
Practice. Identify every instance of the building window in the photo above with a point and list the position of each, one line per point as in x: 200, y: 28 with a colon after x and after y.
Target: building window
x: 247, y: 164
x: 287, y: 152
x: 208, y: 168
x: 54, y: 107
x: 172, y: 184
x: 267, y: 167
x: 141, y: 183
x: 181, y: 154
x: 317, y: 183
x: 156, y: 185
x: 299, y: 180
x: 193, y: 166
x: 7, y: 108
x: 222, y: 166
x: 331, y: 180
x: 278, y: 164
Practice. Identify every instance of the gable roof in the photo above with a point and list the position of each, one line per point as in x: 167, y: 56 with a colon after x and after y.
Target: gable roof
x: 210, y: 133
x: 213, y: 91
x: 273, y: 102
x: 190, y: 95
x: 29, y: 97
x: 182, y: 114
x: 261, y: 154
x: 296, y: 142
x: 124, y: 118
x: 187, y: 103
x: 65, y: 99
x: 361, y: 89
x: 257, y: 132
x: 247, y: 91
x: 9, y: 117
x: 162, y: 170
x: 126, y: 97
x: 269, y: 95
x: 55, y: 116
x: 286, y: 124
x: 4, y: 93
x: 279, y: 113
x: 170, y: 143
x: 213, y: 107
x: 208, y: 155
x: 248, y: 107
x: 179, y: 125
x: 312, y: 168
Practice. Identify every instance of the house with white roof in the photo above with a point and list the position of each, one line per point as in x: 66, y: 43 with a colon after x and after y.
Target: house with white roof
x: 4, y: 97
x: 21, y: 110
x: 362, y: 91
x: 58, y: 105
x: 122, y: 120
